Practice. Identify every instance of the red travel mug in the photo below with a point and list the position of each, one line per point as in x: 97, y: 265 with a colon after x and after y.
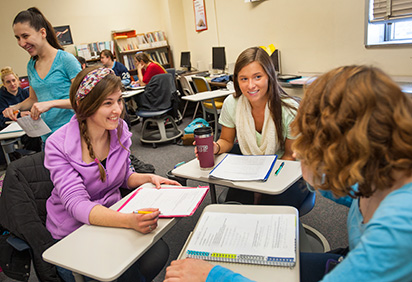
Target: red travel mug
x: 204, y: 144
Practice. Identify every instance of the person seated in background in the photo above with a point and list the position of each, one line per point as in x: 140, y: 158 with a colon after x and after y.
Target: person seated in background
x: 354, y: 140
x: 146, y: 68
x: 88, y: 160
x: 82, y: 62
x: 258, y: 115
x: 11, y: 94
x: 107, y: 59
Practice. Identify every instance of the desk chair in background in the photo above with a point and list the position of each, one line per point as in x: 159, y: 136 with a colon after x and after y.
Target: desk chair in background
x: 158, y: 106
x: 187, y: 91
x: 212, y: 106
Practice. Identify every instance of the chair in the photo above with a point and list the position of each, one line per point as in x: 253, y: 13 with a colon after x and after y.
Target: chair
x: 158, y: 106
x: 187, y: 90
x: 212, y: 106
x: 26, y: 188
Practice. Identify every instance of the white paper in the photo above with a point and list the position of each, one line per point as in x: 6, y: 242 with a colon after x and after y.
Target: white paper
x: 13, y: 127
x: 243, y: 168
x: 269, y: 235
x: 170, y: 201
x: 33, y: 128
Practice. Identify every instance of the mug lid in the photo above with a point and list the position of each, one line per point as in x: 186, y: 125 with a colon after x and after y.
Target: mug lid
x: 203, y: 130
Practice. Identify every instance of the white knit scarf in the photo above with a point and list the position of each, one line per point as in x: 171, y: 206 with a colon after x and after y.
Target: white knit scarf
x: 246, y: 131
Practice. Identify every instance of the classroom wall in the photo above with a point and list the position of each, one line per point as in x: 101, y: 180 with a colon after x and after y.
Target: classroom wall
x: 312, y: 35
x: 90, y: 21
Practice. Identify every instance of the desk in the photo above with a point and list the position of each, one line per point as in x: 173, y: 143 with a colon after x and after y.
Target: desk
x: 257, y: 272
x: 276, y: 184
x: 104, y: 253
x: 132, y: 92
x: 8, y: 139
x: 208, y: 95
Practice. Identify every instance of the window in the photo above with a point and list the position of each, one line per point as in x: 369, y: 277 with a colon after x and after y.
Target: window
x: 388, y: 22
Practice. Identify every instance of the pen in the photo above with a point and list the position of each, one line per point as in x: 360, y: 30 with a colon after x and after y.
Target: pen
x: 179, y: 164
x: 280, y: 168
x: 142, y: 212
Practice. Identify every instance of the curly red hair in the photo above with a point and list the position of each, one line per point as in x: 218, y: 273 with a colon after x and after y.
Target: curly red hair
x: 354, y: 125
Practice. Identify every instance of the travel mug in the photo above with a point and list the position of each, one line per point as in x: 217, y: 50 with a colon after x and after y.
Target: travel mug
x: 204, y: 144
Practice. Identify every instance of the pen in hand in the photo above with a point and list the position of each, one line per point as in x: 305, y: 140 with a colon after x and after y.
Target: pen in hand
x: 280, y: 168
x: 142, y: 212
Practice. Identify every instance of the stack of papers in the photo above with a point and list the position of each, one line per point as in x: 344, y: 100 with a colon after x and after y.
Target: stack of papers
x: 244, y: 168
x: 172, y: 201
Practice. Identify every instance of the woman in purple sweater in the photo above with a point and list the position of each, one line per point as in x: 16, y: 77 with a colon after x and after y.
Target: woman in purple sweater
x: 88, y: 160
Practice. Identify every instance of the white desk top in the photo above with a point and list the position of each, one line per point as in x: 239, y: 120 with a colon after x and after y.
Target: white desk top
x: 257, y: 272
x: 130, y: 93
x: 276, y: 184
x: 13, y: 130
x: 104, y: 253
x: 208, y: 95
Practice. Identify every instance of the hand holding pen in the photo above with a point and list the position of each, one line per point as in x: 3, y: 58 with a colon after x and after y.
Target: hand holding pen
x: 145, y: 221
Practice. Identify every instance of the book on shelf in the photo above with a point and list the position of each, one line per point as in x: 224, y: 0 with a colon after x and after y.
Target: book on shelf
x: 244, y: 168
x: 92, y: 50
x: 262, y: 239
x: 172, y: 201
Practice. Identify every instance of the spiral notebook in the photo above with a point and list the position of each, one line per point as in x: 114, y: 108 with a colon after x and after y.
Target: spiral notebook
x: 264, y: 239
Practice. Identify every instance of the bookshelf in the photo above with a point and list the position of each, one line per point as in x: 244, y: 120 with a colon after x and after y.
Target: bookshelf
x: 128, y: 42
x: 91, y: 51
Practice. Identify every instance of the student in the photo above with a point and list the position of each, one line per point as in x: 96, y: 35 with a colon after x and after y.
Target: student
x: 50, y: 71
x: 146, y: 68
x: 258, y: 115
x: 82, y: 62
x: 11, y: 94
x: 354, y: 129
x: 88, y: 160
x: 107, y: 59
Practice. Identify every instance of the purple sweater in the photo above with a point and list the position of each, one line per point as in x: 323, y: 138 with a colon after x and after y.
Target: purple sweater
x: 77, y: 185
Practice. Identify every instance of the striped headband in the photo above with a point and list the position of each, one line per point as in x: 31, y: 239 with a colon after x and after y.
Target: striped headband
x: 90, y: 81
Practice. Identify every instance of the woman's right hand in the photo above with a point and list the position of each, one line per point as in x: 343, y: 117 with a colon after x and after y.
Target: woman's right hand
x: 145, y: 223
x: 11, y: 113
x: 215, y: 148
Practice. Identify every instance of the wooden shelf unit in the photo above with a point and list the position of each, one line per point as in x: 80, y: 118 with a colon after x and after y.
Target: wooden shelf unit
x: 127, y: 44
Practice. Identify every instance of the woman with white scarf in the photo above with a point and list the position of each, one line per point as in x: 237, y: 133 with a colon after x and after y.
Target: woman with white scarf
x: 258, y: 115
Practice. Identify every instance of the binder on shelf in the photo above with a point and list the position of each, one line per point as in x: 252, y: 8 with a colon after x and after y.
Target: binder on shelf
x: 244, y: 168
x: 249, y: 238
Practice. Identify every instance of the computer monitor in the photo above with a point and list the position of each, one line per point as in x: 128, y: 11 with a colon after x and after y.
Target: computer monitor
x: 185, y: 60
x: 276, y: 60
x: 218, y: 58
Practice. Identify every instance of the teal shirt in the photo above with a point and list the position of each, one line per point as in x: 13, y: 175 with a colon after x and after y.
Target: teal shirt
x: 54, y: 86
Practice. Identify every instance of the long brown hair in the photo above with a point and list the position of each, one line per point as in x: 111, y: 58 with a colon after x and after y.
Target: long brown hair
x: 354, y: 125
x: 275, y: 92
x: 37, y: 20
x: 87, y: 106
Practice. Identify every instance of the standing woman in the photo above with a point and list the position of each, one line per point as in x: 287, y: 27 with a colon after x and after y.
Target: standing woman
x: 146, y: 68
x: 88, y: 160
x: 258, y: 115
x: 50, y: 70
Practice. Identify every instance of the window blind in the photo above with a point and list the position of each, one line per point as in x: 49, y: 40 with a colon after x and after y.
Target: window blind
x: 384, y: 10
